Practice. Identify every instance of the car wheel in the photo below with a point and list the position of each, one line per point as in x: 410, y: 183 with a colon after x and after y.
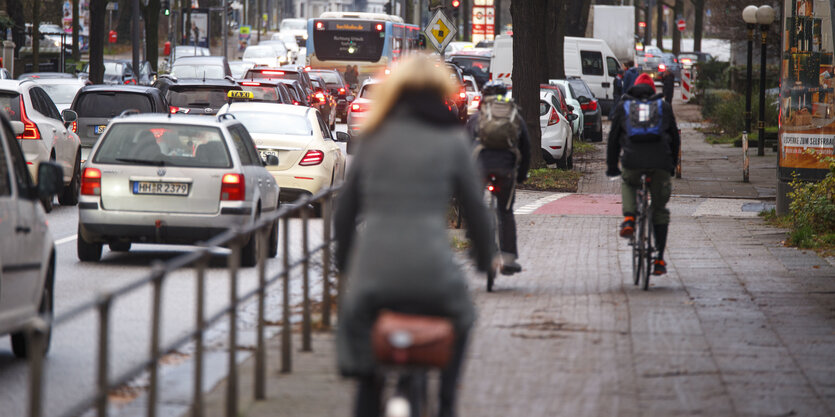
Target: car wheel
x: 119, y: 246
x: 20, y: 341
x: 87, y: 251
x: 70, y: 195
x: 249, y: 253
x: 562, y: 162
x: 598, y: 136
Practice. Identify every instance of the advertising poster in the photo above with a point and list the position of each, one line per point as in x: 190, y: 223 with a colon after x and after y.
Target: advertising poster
x: 807, y: 95
x: 198, y: 32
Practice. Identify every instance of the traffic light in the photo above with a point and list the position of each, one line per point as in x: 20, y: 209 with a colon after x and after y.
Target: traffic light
x: 455, y: 8
x: 166, y: 7
x: 387, y: 8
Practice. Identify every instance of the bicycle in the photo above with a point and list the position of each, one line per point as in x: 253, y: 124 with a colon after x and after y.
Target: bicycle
x: 641, y: 240
x: 492, y: 203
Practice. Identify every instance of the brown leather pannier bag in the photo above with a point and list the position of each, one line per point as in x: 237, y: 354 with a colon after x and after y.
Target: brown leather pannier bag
x: 406, y: 339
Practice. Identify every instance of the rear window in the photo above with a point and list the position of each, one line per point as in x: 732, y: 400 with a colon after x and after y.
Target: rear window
x: 274, y: 123
x: 330, y: 78
x: 10, y: 103
x: 163, y: 145
x: 581, y: 88
x: 198, y: 71
x: 272, y: 74
x: 262, y: 93
x: 111, y: 104
x: 197, y: 97
x: 477, y: 66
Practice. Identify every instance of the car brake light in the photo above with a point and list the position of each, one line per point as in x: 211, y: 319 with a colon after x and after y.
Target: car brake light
x: 30, y: 129
x: 232, y: 187
x: 175, y: 109
x: 590, y: 106
x: 321, y: 97
x: 74, y: 127
x: 359, y: 108
x: 250, y: 84
x: 341, y: 91
x: 312, y: 157
x: 269, y: 72
x: 130, y: 81
x: 307, y: 68
x: 554, y: 119
x: 662, y: 67
x: 296, y: 103
x: 91, y: 181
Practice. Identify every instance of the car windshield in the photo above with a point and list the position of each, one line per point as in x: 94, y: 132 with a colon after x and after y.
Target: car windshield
x: 163, y: 145
x: 61, y: 93
x: 214, y: 97
x: 259, y: 52
x: 265, y: 93
x: 10, y: 103
x: 198, y: 71
x: 581, y: 88
x: 110, y: 103
x: 274, y: 123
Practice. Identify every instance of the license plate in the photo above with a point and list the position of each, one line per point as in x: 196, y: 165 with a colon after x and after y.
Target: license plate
x: 160, y: 188
x: 264, y: 153
x: 99, y: 129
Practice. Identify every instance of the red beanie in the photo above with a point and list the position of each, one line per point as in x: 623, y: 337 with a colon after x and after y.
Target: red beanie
x: 645, y: 79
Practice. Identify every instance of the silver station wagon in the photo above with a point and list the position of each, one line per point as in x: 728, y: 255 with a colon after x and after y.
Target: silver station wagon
x: 175, y: 180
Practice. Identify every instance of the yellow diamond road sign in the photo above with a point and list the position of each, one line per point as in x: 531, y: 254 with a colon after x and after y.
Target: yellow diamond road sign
x: 440, y: 31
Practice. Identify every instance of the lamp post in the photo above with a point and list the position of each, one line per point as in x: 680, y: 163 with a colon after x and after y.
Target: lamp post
x: 749, y: 15
x: 765, y: 16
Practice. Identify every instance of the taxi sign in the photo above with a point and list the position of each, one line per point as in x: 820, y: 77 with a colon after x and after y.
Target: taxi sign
x: 440, y: 31
x: 240, y: 94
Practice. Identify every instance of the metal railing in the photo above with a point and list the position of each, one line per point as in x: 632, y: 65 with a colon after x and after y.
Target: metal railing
x: 234, y: 239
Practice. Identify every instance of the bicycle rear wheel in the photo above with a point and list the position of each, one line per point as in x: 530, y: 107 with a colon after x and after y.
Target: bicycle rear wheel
x: 646, y: 250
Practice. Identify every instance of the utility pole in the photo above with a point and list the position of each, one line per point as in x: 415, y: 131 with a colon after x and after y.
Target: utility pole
x: 75, y: 50
x: 134, y: 32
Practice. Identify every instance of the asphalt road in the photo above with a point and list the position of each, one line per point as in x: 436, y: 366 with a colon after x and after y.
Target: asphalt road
x: 71, y: 365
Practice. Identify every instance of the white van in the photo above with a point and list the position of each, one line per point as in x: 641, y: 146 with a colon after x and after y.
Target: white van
x: 586, y: 58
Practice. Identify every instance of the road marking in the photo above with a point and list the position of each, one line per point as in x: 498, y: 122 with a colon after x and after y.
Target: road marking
x: 67, y: 239
x: 530, y: 208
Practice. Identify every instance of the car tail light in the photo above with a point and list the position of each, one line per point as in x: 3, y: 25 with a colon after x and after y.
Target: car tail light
x: 270, y: 72
x: 232, y: 187
x: 175, y: 109
x: 74, y: 127
x: 590, y: 106
x: 312, y: 157
x: 662, y: 67
x: 296, y: 103
x: 91, y: 181
x: 130, y: 81
x: 30, y: 129
x: 359, y: 107
x: 307, y: 68
x: 321, y: 97
x: 554, y: 119
x: 462, y: 93
x: 341, y: 91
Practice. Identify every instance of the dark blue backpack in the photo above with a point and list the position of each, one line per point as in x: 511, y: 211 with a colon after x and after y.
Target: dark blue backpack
x: 643, y: 119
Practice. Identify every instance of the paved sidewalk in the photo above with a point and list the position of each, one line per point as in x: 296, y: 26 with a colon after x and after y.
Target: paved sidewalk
x: 740, y: 326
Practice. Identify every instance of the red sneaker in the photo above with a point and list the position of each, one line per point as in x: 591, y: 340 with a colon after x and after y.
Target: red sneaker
x: 660, y: 267
x: 627, y: 228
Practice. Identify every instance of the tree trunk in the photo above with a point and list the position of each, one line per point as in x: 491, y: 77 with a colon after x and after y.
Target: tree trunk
x: 528, y: 69
x: 555, y: 38
x: 36, y: 35
x: 648, y: 22
x: 15, y: 10
x: 152, y: 32
x: 659, y: 24
x: 465, y: 13
x: 677, y: 14
x: 583, y: 22
x: 97, y: 36
x: 698, y: 25
x: 497, y: 17
x: 577, y: 17
x: 76, y: 55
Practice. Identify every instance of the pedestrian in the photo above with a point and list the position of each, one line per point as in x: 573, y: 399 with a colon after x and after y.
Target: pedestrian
x: 617, y: 93
x: 668, y: 80
x: 630, y: 75
x: 508, y: 161
x: 401, y: 259
x: 644, y: 139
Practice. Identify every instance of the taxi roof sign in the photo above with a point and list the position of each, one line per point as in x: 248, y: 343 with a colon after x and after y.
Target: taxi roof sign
x: 240, y: 94
x: 440, y: 31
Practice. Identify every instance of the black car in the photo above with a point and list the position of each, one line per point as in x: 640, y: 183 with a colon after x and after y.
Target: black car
x: 273, y: 91
x: 473, y: 62
x: 97, y: 104
x: 197, y: 96
x: 296, y: 91
x: 339, y: 89
x: 288, y: 72
x: 592, y: 115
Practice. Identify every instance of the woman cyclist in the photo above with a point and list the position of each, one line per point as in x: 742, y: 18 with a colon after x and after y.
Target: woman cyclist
x: 413, y: 157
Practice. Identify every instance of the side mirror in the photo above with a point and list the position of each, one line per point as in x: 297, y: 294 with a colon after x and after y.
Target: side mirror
x: 583, y: 99
x: 571, y: 117
x: 50, y: 179
x: 18, y: 128
x: 342, y: 137
x: 271, y: 160
x: 69, y: 116
x: 570, y: 107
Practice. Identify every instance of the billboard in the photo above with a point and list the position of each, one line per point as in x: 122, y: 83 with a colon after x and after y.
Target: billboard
x: 807, y: 89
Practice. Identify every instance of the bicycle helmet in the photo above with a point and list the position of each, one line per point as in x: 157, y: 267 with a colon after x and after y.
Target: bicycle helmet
x: 494, y: 88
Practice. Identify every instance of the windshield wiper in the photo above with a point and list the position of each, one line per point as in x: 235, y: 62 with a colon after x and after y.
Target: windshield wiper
x: 141, y: 161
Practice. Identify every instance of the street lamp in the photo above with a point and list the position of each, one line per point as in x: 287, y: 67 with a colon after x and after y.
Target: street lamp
x: 765, y: 16
x: 749, y: 15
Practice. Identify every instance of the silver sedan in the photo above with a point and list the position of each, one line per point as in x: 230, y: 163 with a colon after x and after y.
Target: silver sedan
x: 172, y: 179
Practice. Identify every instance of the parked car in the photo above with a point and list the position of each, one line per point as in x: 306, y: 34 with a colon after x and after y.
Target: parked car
x: 264, y: 55
x: 62, y: 91
x: 172, y: 180
x: 339, y: 89
x: 203, y: 67
x: 270, y: 91
x: 358, y: 110
x: 43, y: 134
x: 573, y: 105
x: 671, y: 64
x: 27, y: 251
x: 239, y: 68
x: 97, y: 105
x: 198, y: 97
x: 557, y: 139
x: 592, y: 116
x: 563, y: 107
x: 309, y: 158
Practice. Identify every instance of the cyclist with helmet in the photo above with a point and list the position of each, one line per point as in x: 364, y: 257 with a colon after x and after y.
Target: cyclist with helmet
x: 503, y: 151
